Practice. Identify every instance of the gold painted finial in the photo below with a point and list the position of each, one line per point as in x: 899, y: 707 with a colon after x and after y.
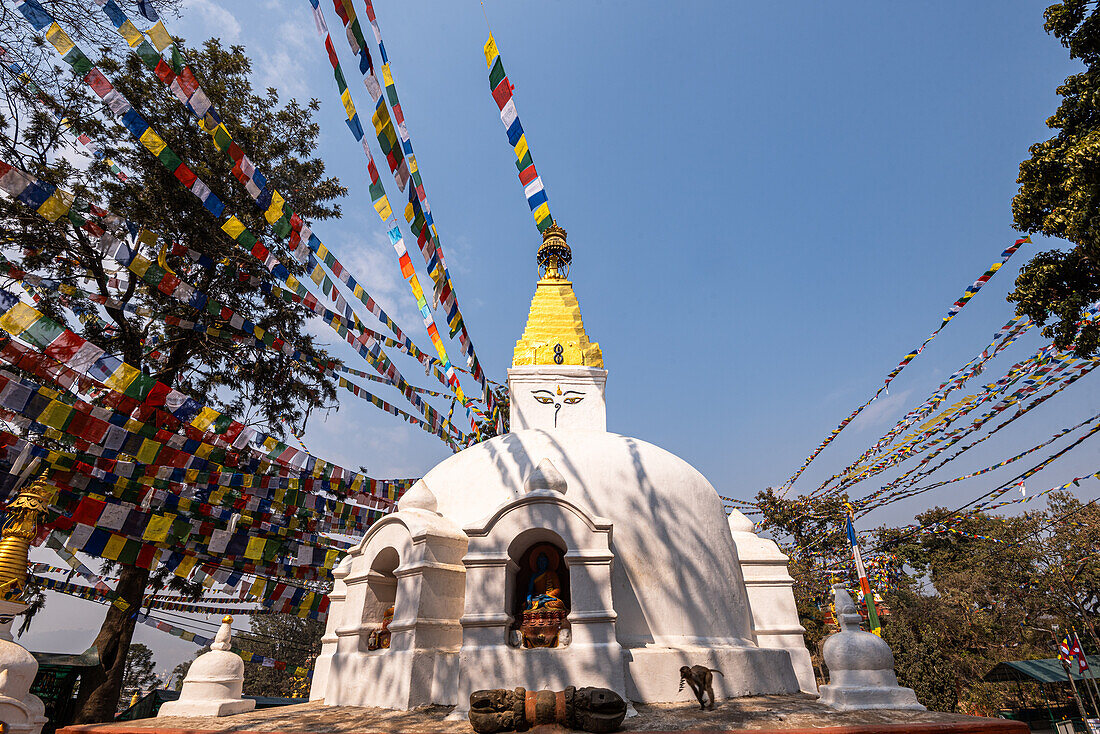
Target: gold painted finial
x: 555, y: 334
x: 554, y: 255
x: 227, y: 619
x: 20, y: 527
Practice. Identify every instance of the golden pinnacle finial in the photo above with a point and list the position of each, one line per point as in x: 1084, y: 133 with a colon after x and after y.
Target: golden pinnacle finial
x: 555, y: 334
x: 554, y: 255
x: 19, y: 529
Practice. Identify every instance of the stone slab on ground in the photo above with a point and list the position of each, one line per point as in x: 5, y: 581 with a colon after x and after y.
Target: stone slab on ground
x: 788, y: 714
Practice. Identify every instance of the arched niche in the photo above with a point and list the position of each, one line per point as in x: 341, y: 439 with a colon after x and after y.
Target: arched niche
x: 410, y: 560
x: 541, y: 598
x: 492, y: 656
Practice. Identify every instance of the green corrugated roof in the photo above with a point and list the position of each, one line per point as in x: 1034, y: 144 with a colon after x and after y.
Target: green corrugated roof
x: 1045, y: 670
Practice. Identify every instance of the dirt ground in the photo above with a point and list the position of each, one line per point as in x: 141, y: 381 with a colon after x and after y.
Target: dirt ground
x: 757, y: 712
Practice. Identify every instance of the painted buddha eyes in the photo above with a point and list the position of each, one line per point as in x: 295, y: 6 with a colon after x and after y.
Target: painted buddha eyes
x: 573, y: 400
x: 544, y: 396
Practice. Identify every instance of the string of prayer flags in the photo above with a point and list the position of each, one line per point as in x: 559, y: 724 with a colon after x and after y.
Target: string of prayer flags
x: 1005, y: 462
x: 384, y: 213
x: 528, y: 176
x: 419, y: 216
x: 23, y: 321
x: 956, y: 307
x: 1004, y: 337
x: 18, y: 183
x: 864, y: 585
x: 277, y: 211
x: 156, y: 145
x: 90, y: 145
x: 380, y: 119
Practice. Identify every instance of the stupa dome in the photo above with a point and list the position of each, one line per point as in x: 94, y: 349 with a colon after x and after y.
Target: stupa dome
x: 676, y: 577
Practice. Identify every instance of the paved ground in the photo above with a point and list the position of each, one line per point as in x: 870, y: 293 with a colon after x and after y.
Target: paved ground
x: 754, y: 713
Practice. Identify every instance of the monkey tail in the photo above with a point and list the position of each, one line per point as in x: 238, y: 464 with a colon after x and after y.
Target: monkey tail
x: 715, y: 670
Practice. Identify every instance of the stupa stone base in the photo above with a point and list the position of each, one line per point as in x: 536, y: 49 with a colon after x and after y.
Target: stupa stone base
x: 857, y: 698
x: 760, y: 714
x: 653, y: 673
x: 207, y: 708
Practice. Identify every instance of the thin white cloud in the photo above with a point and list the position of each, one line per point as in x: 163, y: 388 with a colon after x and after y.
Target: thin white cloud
x: 218, y: 21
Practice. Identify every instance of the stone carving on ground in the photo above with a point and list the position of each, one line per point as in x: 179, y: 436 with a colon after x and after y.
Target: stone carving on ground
x: 861, y: 666
x: 587, y: 709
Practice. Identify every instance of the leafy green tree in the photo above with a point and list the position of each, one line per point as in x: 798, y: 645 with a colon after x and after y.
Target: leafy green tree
x: 288, y: 639
x: 140, y: 674
x: 1059, y: 192
x: 258, y: 387
x: 810, y: 530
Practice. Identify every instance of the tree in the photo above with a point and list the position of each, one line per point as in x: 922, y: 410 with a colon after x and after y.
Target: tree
x: 810, y: 530
x: 139, y: 676
x: 288, y: 639
x: 258, y: 387
x: 1059, y: 192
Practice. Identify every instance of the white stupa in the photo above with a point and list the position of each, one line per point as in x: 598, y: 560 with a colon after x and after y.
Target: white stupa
x: 557, y: 555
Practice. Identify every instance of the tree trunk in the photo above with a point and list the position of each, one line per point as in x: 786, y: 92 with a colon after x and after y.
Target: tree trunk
x: 102, y: 685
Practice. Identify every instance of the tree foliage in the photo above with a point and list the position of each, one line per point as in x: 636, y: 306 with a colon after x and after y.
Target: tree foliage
x: 1059, y: 192
x: 259, y: 387
x: 965, y: 591
x: 140, y: 674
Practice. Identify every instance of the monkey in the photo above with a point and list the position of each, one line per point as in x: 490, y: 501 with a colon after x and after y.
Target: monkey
x: 700, y: 678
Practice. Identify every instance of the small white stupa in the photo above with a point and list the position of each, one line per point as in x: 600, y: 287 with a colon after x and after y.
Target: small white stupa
x: 213, y: 684
x: 861, y: 666
x: 556, y: 555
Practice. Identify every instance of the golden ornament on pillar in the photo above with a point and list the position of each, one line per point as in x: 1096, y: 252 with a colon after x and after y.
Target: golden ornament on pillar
x: 20, y: 527
x: 555, y: 331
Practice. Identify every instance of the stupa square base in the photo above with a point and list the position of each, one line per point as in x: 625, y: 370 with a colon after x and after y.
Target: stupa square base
x: 653, y: 673
x: 206, y: 709
x: 787, y: 714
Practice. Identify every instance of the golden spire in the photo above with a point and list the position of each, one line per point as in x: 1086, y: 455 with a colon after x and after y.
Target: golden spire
x: 555, y: 332
x: 19, y: 529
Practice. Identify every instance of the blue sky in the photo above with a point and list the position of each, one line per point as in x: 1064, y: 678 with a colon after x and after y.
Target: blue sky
x: 769, y: 204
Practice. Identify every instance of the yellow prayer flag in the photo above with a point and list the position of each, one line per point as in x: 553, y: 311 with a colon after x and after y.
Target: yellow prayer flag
x: 387, y: 77
x: 490, y: 51
x: 382, y: 206
x: 55, y: 414
x: 122, y: 377
x: 257, y: 588
x: 18, y: 318
x: 276, y: 209
x: 184, y: 569
x: 205, y: 417
x: 542, y: 212
x: 349, y: 106
x: 521, y: 147
x: 331, y: 556
x: 148, y: 451
x: 322, y: 252
x: 56, y: 206
x: 146, y: 237
x: 157, y: 529
x: 140, y: 264
x: 255, y: 549
x: 114, y: 547
x: 132, y: 35
x: 159, y: 35
x: 292, y: 283
x: 233, y: 227
x: 59, y: 39
x: 152, y: 141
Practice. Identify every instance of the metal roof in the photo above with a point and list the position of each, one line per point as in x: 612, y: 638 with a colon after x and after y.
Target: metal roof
x: 1045, y: 670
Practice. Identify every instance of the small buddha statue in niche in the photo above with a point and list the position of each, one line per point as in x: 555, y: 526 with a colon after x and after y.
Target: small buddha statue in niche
x: 544, y: 607
x: 380, y: 638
